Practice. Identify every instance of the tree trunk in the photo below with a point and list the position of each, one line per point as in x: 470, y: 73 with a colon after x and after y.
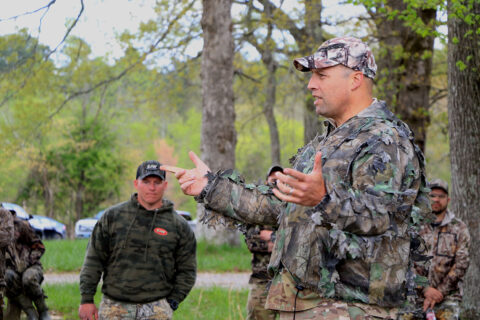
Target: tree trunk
x: 308, y: 44
x: 271, y: 88
x: 404, y: 67
x: 308, y: 39
x: 218, y: 136
x: 464, y: 132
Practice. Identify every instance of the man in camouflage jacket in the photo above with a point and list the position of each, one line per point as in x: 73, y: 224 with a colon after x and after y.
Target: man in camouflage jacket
x: 448, y: 241
x: 145, y: 251
x: 6, y: 237
x: 24, y: 273
x: 347, y: 209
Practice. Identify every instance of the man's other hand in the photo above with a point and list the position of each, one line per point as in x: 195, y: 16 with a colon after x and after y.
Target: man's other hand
x: 88, y: 311
x: 432, y: 297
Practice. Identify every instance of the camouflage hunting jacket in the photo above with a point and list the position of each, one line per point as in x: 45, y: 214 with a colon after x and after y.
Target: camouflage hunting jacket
x: 26, y: 249
x: 259, y: 250
x: 355, y: 244
x: 144, y: 255
x: 449, y: 244
x: 6, y: 237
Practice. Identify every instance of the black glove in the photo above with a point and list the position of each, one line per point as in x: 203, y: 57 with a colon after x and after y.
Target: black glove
x: 173, y: 304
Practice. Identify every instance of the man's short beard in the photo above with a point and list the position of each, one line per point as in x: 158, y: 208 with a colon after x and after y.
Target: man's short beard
x: 439, y: 212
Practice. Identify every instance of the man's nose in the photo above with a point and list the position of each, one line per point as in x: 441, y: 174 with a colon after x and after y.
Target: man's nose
x: 311, y: 84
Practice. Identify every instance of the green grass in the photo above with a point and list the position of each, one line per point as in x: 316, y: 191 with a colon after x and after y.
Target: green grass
x: 209, y: 304
x: 64, y: 255
x: 68, y: 255
x: 224, y: 258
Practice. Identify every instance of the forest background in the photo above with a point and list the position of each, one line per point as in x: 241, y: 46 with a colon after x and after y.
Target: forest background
x: 74, y: 126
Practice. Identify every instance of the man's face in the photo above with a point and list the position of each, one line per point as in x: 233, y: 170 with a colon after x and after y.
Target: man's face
x: 439, y: 200
x: 150, y: 191
x: 330, y: 88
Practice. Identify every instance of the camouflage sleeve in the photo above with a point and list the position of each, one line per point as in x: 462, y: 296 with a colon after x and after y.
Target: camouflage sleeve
x: 6, y: 227
x: 228, y: 195
x: 185, y: 265
x: 381, y: 182
x: 95, y: 258
x: 460, y: 265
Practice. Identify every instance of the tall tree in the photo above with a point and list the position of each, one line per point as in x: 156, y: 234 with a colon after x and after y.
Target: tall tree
x: 218, y: 137
x: 464, y: 132
x: 405, y: 31
x: 267, y: 49
x: 308, y: 35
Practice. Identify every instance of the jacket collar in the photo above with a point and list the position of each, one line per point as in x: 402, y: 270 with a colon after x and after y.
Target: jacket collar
x: 167, y: 205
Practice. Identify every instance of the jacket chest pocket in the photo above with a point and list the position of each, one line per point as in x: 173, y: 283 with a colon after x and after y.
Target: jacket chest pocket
x: 446, y: 244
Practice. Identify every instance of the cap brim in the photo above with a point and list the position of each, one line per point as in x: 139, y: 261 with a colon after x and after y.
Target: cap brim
x: 302, y: 64
x: 307, y: 64
x: 436, y: 186
x: 151, y: 174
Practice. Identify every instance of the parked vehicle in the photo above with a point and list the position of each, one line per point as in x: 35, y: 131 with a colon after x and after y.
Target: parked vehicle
x: 188, y: 217
x: 45, y: 227
x: 84, y: 227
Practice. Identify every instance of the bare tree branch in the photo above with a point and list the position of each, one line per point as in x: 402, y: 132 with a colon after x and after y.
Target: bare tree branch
x: 30, y: 12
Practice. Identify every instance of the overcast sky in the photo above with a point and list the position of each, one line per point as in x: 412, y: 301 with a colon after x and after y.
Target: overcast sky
x: 102, y: 19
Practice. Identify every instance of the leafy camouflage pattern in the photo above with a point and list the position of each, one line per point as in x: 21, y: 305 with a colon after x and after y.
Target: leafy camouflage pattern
x: 259, y: 250
x: 348, y: 51
x: 116, y: 310
x: 257, y: 297
x: 27, y: 248
x: 143, y: 255
x: 29, y: 281
x: 24, y: 271
x: 355, y: 244
x: 449, y: 244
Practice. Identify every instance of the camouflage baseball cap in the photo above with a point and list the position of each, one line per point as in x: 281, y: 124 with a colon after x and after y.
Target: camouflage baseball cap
x: 150, y: 168
x: 348, y: 51
x: 438, y: 183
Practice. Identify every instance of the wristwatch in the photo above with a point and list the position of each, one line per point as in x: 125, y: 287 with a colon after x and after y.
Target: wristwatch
x: 173, y: 304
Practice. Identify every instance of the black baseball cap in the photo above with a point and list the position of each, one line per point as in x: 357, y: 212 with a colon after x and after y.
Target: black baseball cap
x: 150, y: 168
x: 440, y: 184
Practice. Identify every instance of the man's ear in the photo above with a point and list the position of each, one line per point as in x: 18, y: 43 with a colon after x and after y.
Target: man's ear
x: 135, y: 183
x: 357, y: 79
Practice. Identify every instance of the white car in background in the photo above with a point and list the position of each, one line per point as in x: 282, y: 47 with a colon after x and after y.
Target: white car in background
x: 84, y: 227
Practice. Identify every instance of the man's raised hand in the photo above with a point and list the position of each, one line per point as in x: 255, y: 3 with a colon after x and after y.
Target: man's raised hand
x: 192, y: 181
x: 304, y: 189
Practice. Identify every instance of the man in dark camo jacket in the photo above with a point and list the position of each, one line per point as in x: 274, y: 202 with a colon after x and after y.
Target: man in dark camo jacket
x: 145, y: 251
x: 348, y: 208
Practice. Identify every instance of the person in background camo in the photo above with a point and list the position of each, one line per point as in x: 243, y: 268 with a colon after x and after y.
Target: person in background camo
x: 347, y: 209
x: 259, y: 240
x: 6, y: 238
x: 260, y: 244
x: 448, y: 241
x: 24, y: 274
x: 145, y: 251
